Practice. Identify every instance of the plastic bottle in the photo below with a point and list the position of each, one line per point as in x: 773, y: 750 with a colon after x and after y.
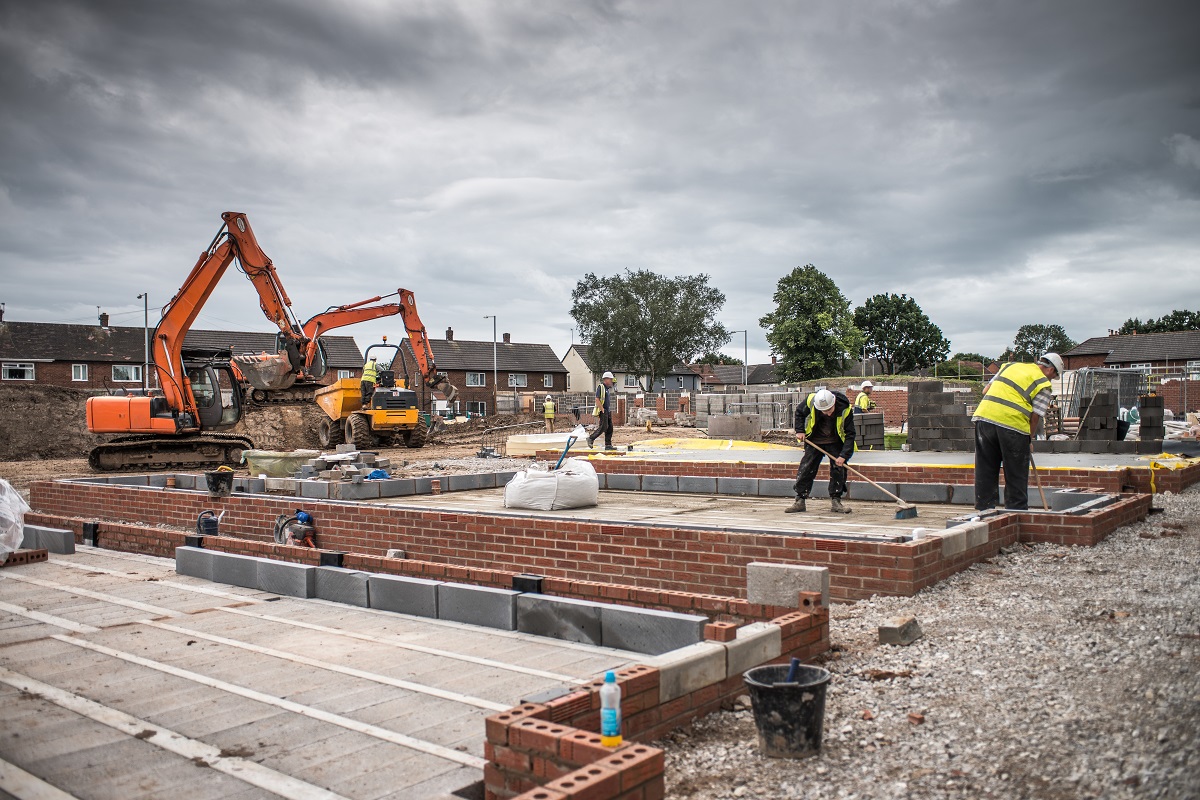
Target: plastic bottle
x: 610, y: 711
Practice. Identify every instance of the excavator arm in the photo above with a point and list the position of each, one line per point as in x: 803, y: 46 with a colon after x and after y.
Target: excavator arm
x: 419, y: 341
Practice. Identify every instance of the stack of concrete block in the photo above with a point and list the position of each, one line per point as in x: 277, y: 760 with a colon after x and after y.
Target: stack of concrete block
x: 868, y: 431
x: 936, y: 421
x: 347, y: 465
x: 1152, y: 425
x: 1098, y: 417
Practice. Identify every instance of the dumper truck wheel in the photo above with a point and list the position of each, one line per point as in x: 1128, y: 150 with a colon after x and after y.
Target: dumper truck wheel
x: 416, y: 437
x: 329, y: 433
x: 358, y: 432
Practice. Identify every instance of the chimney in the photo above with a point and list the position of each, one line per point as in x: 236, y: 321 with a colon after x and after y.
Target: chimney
x: 1, y: 312
x: 772, y: 361
x: 449, y: 334
x: 508, y: 338
x: 103, y: 319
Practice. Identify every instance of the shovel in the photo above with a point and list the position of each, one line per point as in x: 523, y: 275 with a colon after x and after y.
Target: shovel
x: 1038, y: 478
x: 570, y: 441
x: 906, y: 510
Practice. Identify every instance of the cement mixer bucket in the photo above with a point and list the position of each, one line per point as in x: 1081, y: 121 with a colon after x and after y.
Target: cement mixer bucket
x: 268, y: 372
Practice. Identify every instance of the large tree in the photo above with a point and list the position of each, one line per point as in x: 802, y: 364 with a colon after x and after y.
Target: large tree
x: 718, y: 358
x: 1175, y: 321
x: 811, y: 328
x: 899, y: 334
x: 1032, y: 341
x: 646, y: 323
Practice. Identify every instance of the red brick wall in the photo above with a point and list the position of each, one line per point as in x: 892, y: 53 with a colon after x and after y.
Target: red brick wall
x: 893, y: 404
x: 1075, y: 362
x: 1173, y: 396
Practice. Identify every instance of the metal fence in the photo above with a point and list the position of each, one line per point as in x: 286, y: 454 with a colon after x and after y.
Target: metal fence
x: 1087, y: 382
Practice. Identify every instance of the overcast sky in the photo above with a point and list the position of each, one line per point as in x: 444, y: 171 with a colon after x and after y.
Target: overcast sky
x: 1001, y: 161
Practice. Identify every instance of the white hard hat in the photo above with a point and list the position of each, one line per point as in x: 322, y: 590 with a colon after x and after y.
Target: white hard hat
x: 1054, y: 360
x: 607, y: 375
x: 547, y: 397
x: 824, y: 400
x: 867, y: 384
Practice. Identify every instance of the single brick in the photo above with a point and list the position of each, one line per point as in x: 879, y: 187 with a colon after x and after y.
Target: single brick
x: 900, y: 630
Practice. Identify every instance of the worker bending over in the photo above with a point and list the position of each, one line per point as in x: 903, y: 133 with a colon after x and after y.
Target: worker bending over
x: 548, y: 411
x: 825, y: 419
x: 603, y: 412
x: 863, y: 402
x: 366, y: 385
x: 1006, y: 423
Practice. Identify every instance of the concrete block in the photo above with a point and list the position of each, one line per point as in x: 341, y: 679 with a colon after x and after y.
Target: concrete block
x: 315, y: 489
x: 962, y: 494
x: 820, y: 490
x: 756, y: 643
x: 688, y: 669
x: 624, y: 483
x: 743, y: 427
x: 660, y: 483
x: 463, y: 483
x: 602, y: 480
x: 780, y: 584
x: 235, y: 570
x: 742, y: 487
x: 646, y: 630
x: 502, y: 478
x: 158, y: 481
x: 976, y: 532
x: 861, y: 490
x: 367, y: 490
x: 900, y: 630
x: 425, y: 485
x: 286, y: 578
x: 1061, y: 501
x: 478, y: 605
x: 396, y: 487
x: 286, y: 485
x: 194, y: 562
x: 341, y: 585
x: 777, y: 487
x: 250, y: 485
x: 404, y: 595
x: 954, y: 540
x: 925, y: 492
x: 29, y: 538
x: 200, y: 483
x: 560, y: 618
x: 130, y: 480
x: 185, y: 481
x: 54, y: 540
x: 697, y: 485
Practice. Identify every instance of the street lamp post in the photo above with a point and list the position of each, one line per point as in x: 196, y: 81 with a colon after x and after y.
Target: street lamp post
x: 495, y: 385
x: 745, y: 357
x: 145, y: 298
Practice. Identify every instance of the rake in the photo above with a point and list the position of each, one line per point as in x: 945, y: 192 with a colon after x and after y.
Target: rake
x: 905, y: 510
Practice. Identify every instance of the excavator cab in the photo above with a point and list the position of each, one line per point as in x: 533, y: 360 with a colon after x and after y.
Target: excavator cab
x: 218, y: 404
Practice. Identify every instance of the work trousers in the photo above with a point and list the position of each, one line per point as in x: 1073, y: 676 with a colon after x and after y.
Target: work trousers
x: 366, y: 389
x: 604, y: 426
x: 808, y: 471
x: 994, y: 446
x: 549, y: 424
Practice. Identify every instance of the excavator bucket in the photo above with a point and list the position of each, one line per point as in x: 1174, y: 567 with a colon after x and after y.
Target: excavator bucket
x: 268, y: 372
x: 446, y: 388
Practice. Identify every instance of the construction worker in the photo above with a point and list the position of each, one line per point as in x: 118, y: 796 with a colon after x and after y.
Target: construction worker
x: 548, y: 411
x: 366, y: 385
x: 603, y: 411
x: 1006, y: 423
x: 863, y: 403
x: 825, y: 419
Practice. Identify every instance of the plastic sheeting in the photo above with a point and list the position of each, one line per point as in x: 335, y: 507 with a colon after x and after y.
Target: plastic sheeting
x: 276, y: 463
x: 12, y: 519
x: 573, y: 485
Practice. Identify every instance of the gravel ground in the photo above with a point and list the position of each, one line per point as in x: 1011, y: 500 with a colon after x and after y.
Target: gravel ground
x: 1049, y: 672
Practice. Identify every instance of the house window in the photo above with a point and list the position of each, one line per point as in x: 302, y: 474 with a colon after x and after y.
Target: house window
x: 631, y: 381
x: 680, y: 381
x: 476, y: 379
x: 568, y: 381
x: 477, y: 407
x: 548, y: 380
x: 127, y: 373
x: 518, y: 379
x: 345, y: 373
x: 1143, y: 367
x: 17, y: 371
x: 79, y: 372
x: 1193, y: 367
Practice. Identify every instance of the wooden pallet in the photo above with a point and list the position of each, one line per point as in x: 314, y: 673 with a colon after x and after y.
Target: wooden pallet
x: 19, y: 557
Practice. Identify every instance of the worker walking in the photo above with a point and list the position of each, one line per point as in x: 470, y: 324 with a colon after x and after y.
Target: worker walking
x: 603, y: 411
x: 370, y: 375
x: 548, y: 411
x: 825, y: 418
x: 1006, y: 423
x: 863, y: 403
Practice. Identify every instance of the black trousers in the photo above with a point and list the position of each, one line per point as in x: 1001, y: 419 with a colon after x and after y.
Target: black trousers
x: 994, y: 446
x: 604, y: 425
x: 366, y: 389
x: 808, y: 471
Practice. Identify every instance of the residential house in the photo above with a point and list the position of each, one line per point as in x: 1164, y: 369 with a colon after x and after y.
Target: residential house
x: 584, y: 374
x: 108, y: 357
x: 728, y: 377
x: 521, y: 368
x: 1175, y: 354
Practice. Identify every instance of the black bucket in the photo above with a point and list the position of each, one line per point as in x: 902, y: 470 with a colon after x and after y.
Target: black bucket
x: 1122, y: 429
x: 207, y: 524
x: 790, y: 717
x: 220, y: 483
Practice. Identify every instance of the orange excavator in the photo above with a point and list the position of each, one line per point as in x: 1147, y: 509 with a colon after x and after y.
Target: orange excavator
x: 201, y: 391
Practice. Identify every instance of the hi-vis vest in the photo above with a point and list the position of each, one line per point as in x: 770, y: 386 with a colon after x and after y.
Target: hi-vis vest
x: 370, y: 372
x: 1009, y: 397
x: 864, y: 402
x: 601, y: 396
x: 812, y: 420
x: 548, y: 409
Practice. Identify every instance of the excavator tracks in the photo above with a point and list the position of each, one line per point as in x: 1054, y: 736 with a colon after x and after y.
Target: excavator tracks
x: 166, y: 452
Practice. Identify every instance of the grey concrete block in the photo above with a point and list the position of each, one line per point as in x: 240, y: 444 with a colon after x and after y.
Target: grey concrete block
x: 396, y: 487
x: 195, y: 562
x: 624, y: 483
x: 820, y: 490
x: 646, y: 630
x: 1061, y: 501
x: 235, y: 570
x: 368, y: 490
x: 900, y: 630
x: 404, y: 595
x: 286, y: 485
x: 924, y: 492
x: 502, y: 478
x: 755, y: 644
x: 425, y: 485
x: 776, y: 487
x: 478, y: 605
x: 743, y: 487
x: 158, y: 481
x: 315, y: 489
x: 602, y: 480
x: 962, y: 494
x: 286, y: 578
x: 130, y: 480
x: 250, y: 485
x: 954, y: 540
x: 688, y: 669
x: 977, y: 534
x: 697, y: 484
x: 463, y: 483
x: 185, y: 481
x: 560, y: 618
x: 660, y: 483
x: 861, y: 490
x: 29, y: 538
x: 781, y: 584
x: 54, y: 540
x: 341, y: 585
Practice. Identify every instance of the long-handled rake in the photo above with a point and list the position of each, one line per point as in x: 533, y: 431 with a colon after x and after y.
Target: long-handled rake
x: 906, y: 510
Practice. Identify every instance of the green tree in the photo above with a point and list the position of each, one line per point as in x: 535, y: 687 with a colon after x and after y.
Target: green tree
x: 811, y: 328
x: 898, y: 334
x: 1033, y: 340
x: 972, y: 357
x: 645, y: 322
x: 1175, y: 321
x: 717, y: 358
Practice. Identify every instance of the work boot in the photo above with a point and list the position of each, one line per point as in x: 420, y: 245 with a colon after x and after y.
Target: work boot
x: 835, y: 505
x: 796, y: 507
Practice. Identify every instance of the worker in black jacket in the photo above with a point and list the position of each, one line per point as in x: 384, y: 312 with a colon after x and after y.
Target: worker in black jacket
x: 825, y: 419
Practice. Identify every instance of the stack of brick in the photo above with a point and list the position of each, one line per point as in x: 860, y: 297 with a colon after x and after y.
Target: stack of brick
x: 868, y: 431
x: 1098, y: 417
x: 347, y: 465
x: 936, y: 420
x: 1150, y: 407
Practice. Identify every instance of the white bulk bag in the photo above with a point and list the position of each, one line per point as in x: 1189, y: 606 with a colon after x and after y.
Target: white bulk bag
x: 573, y: 485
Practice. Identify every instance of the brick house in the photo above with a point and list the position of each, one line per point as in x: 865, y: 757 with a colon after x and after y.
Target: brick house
x: 98, y: 357
x: 722, y: 377
x: 521, y: 368
x: 1175, y: 354
x: 584, y: 375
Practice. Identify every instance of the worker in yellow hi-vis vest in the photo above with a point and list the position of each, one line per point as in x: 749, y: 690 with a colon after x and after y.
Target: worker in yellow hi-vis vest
x: 366, y: 385
x: 863, y: 403
x: 548, y: 411
x: 603, y: 412
x: 1006, y: 423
